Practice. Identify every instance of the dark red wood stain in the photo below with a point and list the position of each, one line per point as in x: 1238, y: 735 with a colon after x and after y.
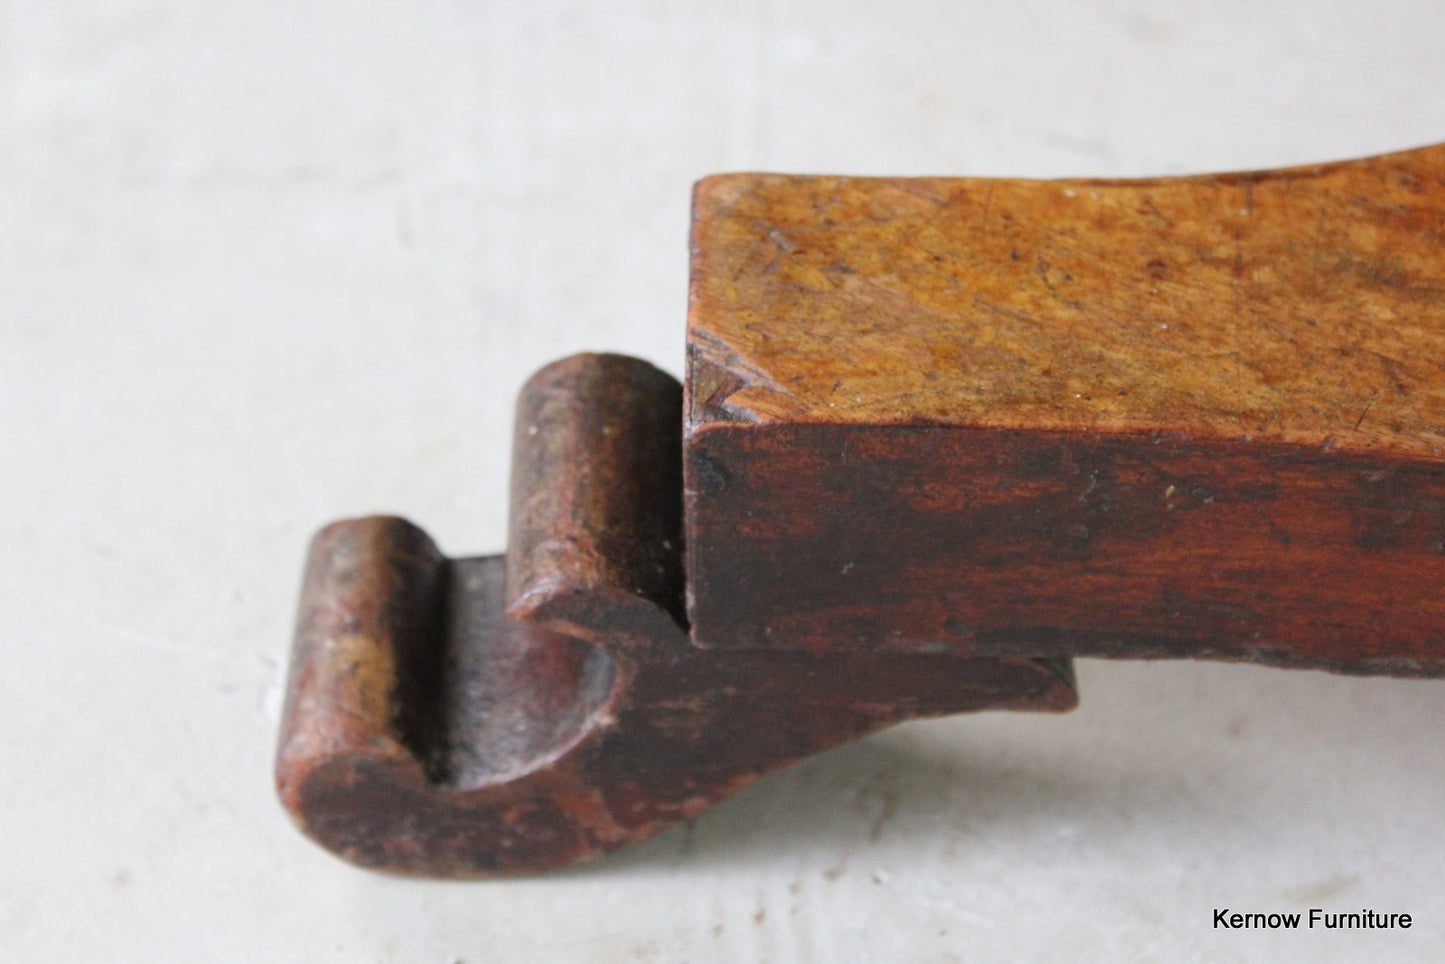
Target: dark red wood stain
x: 1173, y: 417
x: 428, y: 733
x: 938, y: 435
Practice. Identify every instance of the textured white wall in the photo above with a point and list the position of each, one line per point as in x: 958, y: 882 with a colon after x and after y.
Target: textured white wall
x: 263, y: 265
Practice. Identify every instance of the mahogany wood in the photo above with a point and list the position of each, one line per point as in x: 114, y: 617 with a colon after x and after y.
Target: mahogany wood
x: 1173, y: 417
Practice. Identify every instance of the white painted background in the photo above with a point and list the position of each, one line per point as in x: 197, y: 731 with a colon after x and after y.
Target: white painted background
x: 263, y: 265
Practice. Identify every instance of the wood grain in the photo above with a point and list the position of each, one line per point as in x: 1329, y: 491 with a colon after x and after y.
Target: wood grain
x: 495, y: 716
x: 1179, y: 416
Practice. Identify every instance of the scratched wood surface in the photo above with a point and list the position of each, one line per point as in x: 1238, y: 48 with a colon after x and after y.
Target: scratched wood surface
x: 1305, y: 304
x: 1184, y: 416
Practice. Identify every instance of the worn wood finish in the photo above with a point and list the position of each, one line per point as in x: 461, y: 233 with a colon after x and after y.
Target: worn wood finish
x: 596, y: 497
x: 497, y: 716
x: 937, y: 436
x: 1172, y: 417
